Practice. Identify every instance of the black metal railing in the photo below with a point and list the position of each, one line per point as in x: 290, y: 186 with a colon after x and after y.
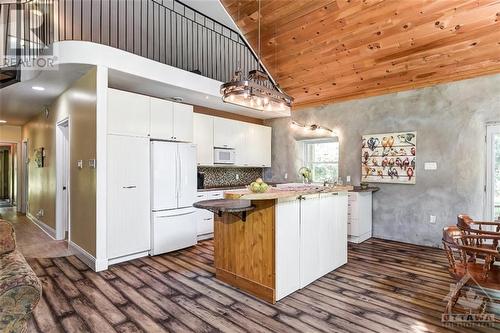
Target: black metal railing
x: 166, y: 31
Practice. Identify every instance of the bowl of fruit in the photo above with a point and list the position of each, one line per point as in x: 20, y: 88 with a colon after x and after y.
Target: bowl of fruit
x: 258, y: 186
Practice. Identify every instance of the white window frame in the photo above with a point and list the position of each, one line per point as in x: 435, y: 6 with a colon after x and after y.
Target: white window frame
x: 307, y: 154
x: 491, y: 130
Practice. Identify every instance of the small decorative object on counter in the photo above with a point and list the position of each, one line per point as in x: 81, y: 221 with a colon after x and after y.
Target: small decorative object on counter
x: 363, y: 185
x: 306, y: 175
x: 258, y: 186
x: 348, y: 180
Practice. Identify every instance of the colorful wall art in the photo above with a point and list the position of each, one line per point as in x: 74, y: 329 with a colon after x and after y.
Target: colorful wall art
x: 389, y: 158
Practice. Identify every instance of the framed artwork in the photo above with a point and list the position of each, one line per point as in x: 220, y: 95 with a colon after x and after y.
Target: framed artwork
x: 389, y: 158
x: 39, y: 157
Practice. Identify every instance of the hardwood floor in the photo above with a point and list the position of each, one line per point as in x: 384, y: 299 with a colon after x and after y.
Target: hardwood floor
x: 31, y: 241
x: 385, y: 287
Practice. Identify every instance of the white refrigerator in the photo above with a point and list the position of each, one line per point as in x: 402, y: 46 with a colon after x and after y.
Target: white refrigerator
x: 173, y: 184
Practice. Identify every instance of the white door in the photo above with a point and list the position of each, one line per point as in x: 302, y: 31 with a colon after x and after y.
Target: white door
x: 128, y: 196
x: 164, y: 169
x: 264, y: 144
x: 245, y: 137
x: 183, y: 122
x: 62, y: 179
x: 328, y: 226
x: 187, y: 175
x: 128, y: 113
x: 173, y: 230
x: 287, y: 240
x: 492, y: 172
x: 161, y: 119
x: 203, y: 137
x: 225, y: 133
x: 309, y: 239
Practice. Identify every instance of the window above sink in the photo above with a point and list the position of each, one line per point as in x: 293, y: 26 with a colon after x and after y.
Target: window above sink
x: 321, y: 156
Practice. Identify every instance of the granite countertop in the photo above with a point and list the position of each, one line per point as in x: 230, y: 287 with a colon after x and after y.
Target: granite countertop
x: 277, y: 193
x: 225, y: 205
x: 368, y: 189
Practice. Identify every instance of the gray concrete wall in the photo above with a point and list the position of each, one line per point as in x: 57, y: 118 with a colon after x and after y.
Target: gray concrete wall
x: 450, y: 120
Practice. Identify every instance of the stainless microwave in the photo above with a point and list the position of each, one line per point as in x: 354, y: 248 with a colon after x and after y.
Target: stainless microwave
x: 224, y: 156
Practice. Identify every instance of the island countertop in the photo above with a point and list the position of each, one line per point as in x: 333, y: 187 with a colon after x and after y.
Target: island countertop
x: 285, y: 192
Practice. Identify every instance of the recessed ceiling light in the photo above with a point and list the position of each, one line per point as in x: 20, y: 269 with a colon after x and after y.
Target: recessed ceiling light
x: 38, y: 88
x: 3, y: 121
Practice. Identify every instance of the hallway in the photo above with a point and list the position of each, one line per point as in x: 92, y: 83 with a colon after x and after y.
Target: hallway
x: 32, y: 242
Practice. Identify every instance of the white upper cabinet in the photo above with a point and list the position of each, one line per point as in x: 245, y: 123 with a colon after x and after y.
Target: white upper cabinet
x: 203, y: 137
x: 252, y: 142
x: 183, y: 122
x: 162, y: 118
x: 258, y: 144
x: 128, y: 113
x: 225, y: 133
x: 138, y: 115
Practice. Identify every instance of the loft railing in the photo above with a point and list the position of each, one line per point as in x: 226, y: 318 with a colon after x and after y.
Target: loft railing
x: 166, y: 31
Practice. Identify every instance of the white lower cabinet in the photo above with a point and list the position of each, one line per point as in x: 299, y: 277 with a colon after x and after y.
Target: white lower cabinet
x: 287, y: 231
x: 359, y: 221
x: 205, y: 218
x: 311, y: 239
x: 128, y: 197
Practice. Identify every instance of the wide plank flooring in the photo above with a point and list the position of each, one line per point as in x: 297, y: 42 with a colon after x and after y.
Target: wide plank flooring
x: 385, y: 287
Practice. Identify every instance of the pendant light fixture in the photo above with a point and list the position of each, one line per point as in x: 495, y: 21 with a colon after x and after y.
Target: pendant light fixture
x: 256, y: 90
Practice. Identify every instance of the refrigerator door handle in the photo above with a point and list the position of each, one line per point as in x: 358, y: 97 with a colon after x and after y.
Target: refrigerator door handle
x: 180, y: 176
x: 174, y: 215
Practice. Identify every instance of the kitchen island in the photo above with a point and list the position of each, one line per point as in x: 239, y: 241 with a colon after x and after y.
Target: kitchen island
x: 282, y: 240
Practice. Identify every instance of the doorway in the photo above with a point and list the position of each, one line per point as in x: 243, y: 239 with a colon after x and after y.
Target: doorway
x: 8, y: 174
x: 492, y: 172
x: 25, y: 177
x: 62, y: 180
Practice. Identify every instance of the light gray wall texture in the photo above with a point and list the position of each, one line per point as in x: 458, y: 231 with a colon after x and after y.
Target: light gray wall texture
x: 450, y: 120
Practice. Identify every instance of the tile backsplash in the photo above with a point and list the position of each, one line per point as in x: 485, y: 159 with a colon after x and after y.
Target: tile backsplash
x: 221, y: 177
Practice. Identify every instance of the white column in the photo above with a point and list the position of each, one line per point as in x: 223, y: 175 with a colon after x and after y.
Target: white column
x: 101, y: 185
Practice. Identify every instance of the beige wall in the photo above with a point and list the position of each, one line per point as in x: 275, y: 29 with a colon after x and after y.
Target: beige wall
x: 10, y: 133
x: 78, y: 103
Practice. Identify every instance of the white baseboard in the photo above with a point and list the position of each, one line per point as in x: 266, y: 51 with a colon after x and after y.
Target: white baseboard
x: 128, y: 257
x: 205, y: 236
x: 359, y: 239
x: 96, y: 264
x: 45, y: 228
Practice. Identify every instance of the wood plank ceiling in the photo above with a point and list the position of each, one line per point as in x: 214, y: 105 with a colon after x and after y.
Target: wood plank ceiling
x: 324, y: 51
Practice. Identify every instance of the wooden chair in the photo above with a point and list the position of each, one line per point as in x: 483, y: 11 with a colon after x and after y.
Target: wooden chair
x: 471, y: 227
x: 462, y: 249
x: 465, y: 223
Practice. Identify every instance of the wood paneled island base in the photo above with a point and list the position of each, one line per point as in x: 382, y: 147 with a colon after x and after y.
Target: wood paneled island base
x: 244, y: 251
x: 287, y: 241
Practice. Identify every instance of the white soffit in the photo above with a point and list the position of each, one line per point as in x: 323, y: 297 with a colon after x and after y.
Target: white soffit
x: 134, y: 73
x: 127, y: 71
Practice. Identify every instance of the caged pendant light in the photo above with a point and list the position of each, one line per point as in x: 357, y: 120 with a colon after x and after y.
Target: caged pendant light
x: 256, y: 91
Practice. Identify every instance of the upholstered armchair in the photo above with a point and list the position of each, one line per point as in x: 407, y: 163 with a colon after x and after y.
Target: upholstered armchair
x: 20, y: 288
